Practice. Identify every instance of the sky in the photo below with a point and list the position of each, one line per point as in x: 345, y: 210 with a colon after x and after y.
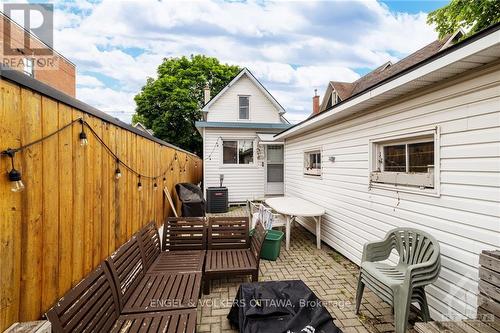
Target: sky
x: 292, y: 47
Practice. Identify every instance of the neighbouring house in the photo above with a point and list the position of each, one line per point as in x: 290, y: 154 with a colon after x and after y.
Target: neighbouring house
x: 237, y: 128
x: 18, y: 50
x: 411, y: 144
x: 143, y: 128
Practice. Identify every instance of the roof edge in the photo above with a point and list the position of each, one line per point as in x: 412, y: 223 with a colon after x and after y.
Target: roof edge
x: 452, y: 48
x: 281, y: 110
x: 234, y: 124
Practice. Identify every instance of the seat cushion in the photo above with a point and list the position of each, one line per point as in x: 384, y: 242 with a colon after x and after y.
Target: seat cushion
x: 179, y: 321
x: 231, y: 260
x: 389, y: 275
x: 178, y: 262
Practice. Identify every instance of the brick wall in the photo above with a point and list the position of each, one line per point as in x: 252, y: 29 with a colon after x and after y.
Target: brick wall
x: 54, y: 70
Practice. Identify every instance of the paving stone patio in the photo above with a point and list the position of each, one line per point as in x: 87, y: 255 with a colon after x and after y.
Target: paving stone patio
x: 330, y: 275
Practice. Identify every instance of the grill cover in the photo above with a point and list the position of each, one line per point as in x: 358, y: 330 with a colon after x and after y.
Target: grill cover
x: 191, y: 197
x: 279, y: 307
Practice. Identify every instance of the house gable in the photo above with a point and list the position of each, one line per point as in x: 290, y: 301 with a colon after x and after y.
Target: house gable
x: 335, y: 93
x: 262, y: 106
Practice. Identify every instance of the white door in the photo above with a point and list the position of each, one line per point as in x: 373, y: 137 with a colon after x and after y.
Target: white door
x: 274, y: 170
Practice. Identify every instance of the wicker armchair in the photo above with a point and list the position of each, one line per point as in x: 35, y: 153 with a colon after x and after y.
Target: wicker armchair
x: 400, y: 285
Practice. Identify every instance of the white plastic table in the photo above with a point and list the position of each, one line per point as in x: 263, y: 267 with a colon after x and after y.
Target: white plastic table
x: 292, y: 207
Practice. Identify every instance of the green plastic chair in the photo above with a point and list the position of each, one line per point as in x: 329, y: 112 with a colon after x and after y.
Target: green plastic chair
x: 402, y: 284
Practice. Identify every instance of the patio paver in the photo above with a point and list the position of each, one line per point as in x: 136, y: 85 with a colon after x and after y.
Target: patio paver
x: 330, y: 275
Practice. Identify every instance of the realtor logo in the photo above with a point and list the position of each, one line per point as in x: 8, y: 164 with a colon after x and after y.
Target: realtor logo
x: 36, y: 20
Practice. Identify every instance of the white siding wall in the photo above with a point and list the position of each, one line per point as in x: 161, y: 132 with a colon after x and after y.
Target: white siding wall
x: 226, y: 108
x: 243, y: 181
x: 465, y: 218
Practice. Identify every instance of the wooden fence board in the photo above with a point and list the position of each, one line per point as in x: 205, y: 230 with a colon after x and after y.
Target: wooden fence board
x: 31, y: 283
x: 78, y: 249
x: 106, y: 176
x: 50, y: 195
x: 10, y: 209
x: 73, y: 212
x: 65, y: 169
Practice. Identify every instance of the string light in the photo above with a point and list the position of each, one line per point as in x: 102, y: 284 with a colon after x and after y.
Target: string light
x: 14, y: 175
x: 18, y: 185
x: 213, y: 148
x: 83, y: 136
x: 118, y: 173
x: 139, y: 184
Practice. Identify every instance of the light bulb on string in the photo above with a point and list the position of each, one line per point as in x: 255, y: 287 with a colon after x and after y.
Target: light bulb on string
x: 15, y: 178
x: 118, y: 173
x: 139, y: 184
x: 83, y: 136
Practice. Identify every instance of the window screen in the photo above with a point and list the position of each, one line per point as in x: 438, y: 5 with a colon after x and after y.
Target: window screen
x: 274, y: 173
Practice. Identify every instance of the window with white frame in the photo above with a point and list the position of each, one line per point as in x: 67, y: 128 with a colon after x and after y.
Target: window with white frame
x: 237, y: 151
x: 244, y: 107
x: 28, y: 66
x: 312, y: 163
x: 406, y: 161
x: 335, y: 98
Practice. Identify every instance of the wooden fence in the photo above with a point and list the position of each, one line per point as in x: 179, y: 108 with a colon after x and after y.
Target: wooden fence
x: 73, y: 212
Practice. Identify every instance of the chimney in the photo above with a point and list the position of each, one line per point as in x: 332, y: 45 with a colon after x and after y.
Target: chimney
x: 315, y: 102
x: 206, y: 93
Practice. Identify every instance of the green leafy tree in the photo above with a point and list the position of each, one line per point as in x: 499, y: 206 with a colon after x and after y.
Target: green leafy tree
x: 171, y: 103
x: 468, y: 14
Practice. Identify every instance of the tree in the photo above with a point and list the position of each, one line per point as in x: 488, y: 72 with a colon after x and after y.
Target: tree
x: 475, y: 15
x: 171, y: 103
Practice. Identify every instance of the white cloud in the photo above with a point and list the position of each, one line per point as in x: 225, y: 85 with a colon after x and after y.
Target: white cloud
x: 83, y: 80
x: 292, y: 47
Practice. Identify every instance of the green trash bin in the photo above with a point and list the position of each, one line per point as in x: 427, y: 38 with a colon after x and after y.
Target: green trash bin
x: 272, y: 245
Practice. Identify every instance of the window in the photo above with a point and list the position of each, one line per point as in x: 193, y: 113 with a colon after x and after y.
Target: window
x: 335, y: 98
x: 408, y: 161
x: 237, y: 152
x: 244, y: 107
x: 28, y: 66
x: 312, y: 163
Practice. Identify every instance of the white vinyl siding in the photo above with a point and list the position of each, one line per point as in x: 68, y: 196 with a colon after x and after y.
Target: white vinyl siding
x: 465, y: 218
x: 244, y: 181
x: 226, y: 107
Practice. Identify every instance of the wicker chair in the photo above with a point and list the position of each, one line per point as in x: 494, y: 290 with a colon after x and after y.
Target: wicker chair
x: 400, y: 285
